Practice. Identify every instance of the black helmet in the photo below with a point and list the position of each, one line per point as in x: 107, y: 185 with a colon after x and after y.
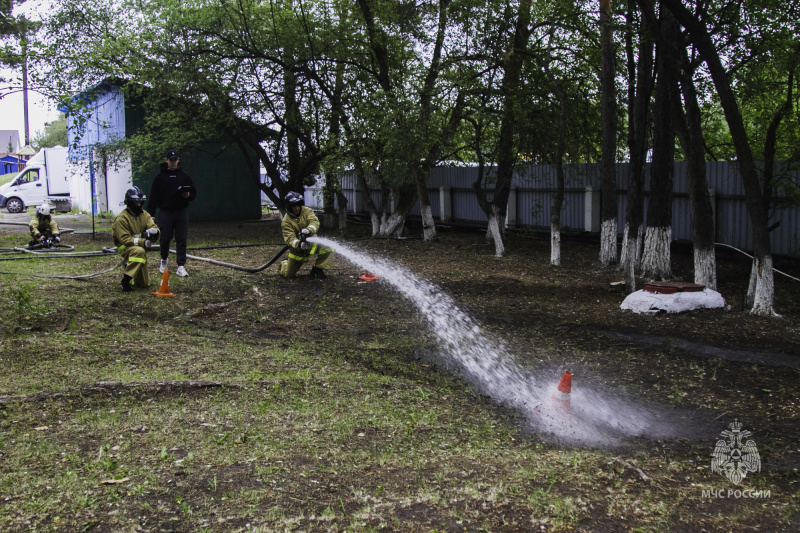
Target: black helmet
x: 134, y: 194
x: 294, y: 198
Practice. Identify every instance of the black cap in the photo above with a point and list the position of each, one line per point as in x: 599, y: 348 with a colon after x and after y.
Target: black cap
x: 172, y: 154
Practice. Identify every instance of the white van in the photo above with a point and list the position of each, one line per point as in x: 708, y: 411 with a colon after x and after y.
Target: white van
x: 44, y: 178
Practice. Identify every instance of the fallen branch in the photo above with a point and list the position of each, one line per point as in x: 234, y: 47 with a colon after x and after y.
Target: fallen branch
x: 210, y: 307
x: 644, y: 476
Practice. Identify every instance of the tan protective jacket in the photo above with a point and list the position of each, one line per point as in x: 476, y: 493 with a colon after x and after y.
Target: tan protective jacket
x: 291, y: 225
x: 127, y: 229
x: 48, y: 229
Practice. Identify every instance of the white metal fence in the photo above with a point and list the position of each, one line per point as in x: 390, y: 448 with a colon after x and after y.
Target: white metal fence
x: 453, y: 201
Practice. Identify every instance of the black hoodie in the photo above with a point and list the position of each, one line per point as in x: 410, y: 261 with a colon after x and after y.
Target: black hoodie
x: 166, y: 188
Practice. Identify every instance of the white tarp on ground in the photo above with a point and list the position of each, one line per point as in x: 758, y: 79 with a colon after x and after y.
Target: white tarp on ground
x: 649, y: 303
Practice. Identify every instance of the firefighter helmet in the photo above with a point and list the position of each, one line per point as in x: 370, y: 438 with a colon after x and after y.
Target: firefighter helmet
x: 294, y: 198
x: 133, y: 195
x: 43, y: 210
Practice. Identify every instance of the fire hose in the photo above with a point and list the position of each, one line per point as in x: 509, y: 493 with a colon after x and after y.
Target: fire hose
x: 112, y: 250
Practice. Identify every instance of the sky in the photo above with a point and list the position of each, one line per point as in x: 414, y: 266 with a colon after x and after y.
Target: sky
x: 40, y: 110
x: 12, y: 115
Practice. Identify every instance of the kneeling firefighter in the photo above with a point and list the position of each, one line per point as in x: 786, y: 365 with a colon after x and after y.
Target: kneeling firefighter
x: 134, y: 230
x: 44, y: 229
x: 299, y: 223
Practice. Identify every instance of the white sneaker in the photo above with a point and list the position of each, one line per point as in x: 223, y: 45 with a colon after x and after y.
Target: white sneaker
x: 181, y: 271
x: 163, y: 266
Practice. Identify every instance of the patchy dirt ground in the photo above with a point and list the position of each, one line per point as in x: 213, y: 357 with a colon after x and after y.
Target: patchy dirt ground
x: 706, y: 367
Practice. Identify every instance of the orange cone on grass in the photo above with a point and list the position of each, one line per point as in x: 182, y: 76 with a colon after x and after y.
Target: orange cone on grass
x: 561, y: 396
x: 163, y: 289
x: 368, y: 276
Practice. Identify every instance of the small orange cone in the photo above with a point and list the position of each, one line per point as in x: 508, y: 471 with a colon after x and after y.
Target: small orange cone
x: 561, y: 397
x: 368, y: 276
x: 163, y: 289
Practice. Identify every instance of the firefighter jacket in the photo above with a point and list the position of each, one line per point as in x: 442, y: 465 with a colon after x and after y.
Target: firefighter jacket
x: 127, y: 229
x: 291, y: 226
x: 47, y: 227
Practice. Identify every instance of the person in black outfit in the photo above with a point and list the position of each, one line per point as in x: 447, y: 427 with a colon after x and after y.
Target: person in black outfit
x: 171, y: 193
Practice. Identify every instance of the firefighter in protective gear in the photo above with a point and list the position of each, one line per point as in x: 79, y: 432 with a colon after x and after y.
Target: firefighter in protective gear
x: 43, y: 227
x: 301, y: 221
x: 133, y: 231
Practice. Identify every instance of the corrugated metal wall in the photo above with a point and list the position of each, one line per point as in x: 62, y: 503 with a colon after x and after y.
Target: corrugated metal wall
x: 535, y: 187
x: 105, y: 122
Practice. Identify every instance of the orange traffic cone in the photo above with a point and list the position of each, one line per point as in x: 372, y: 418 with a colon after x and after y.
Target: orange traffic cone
x: 368, y: 276
x: 561, y: 397
x: 163, y: 289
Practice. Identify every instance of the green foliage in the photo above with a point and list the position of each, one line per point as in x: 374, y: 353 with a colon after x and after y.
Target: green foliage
x: 19, y: 307
x: 54, y: 134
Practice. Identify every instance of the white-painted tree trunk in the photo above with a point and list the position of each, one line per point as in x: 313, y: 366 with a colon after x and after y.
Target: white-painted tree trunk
x: 555, y: 244
x: 608, y: 242
x: 761, y: 292
x: 705, y: 267
x: 631, y: 249
x: 428, y: 224
x: 393, y: 225
x: 656, y: 257
x: 623, y: 254
x: 496, y: 234
x: 376, y: 221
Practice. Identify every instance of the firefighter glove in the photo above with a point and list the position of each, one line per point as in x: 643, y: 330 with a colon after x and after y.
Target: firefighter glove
x: 56, y: 238
x: 150, y: 233
x: 305, y: 245
x: 305, y: 231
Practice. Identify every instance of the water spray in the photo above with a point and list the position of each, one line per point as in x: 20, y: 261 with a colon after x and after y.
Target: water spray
x: 592, y: 417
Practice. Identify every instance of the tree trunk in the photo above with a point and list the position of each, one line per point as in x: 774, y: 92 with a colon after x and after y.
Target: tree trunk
x: 764, y: 289
x: 428, y: 224
x: 342, y: 210
x: 639, y: 93
x: 631, y: 247
x: 689, y: 128
x: 506, y: 145
x: 495, y: 230
x: 393, y: 224
x: 761, y: 292
x: 555, y: 242
x: 608, y: 237
x: 656, y: 258
x: 558, y: 197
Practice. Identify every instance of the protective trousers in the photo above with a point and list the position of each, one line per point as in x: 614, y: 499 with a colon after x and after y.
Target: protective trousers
x: 297, y: 257
x: 174, y: 222
x: 136, y: 266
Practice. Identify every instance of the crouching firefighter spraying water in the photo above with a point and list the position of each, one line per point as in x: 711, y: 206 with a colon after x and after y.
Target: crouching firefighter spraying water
x: 133, y: 231
x: 297, y: 225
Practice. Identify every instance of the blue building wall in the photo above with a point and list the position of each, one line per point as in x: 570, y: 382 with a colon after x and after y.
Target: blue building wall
x: 10, y: 164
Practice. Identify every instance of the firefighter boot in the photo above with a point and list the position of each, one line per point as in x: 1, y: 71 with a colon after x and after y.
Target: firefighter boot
x: 126, y: 283
x: 318, y: 273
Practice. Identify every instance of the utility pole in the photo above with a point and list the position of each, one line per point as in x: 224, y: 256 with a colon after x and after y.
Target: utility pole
x: 25, y: 86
